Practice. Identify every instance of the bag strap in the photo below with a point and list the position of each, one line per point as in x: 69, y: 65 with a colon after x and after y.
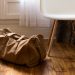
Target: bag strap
x: 23, y: 36
x: 10, y: 34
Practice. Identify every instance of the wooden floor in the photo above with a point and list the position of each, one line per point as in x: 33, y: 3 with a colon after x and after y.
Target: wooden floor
x: 61, y: 62
x: 42, y: 69
x: 63, y: 59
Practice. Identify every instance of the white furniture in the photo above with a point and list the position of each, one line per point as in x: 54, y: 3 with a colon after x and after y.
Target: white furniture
x: 57, y: 10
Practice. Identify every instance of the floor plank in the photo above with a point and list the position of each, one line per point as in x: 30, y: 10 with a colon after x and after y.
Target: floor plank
x: 63, y: 58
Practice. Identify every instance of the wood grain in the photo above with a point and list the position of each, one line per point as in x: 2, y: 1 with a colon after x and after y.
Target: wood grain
x: 63, y: 59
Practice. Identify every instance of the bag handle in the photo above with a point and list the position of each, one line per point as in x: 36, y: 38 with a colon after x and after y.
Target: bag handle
x: 10, y: 34
x: 22, y: 37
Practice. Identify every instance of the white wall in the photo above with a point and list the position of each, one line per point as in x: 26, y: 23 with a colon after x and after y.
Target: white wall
x: 9, y: 18
x: 9, y: 9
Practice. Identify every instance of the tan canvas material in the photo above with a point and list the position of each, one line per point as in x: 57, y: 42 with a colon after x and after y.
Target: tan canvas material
x: 29, y: 51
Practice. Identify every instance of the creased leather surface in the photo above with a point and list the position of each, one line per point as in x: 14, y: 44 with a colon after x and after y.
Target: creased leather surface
x: 29, y: 51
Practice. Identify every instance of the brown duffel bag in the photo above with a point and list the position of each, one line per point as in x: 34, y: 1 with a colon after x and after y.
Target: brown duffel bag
x: 23, y: 50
